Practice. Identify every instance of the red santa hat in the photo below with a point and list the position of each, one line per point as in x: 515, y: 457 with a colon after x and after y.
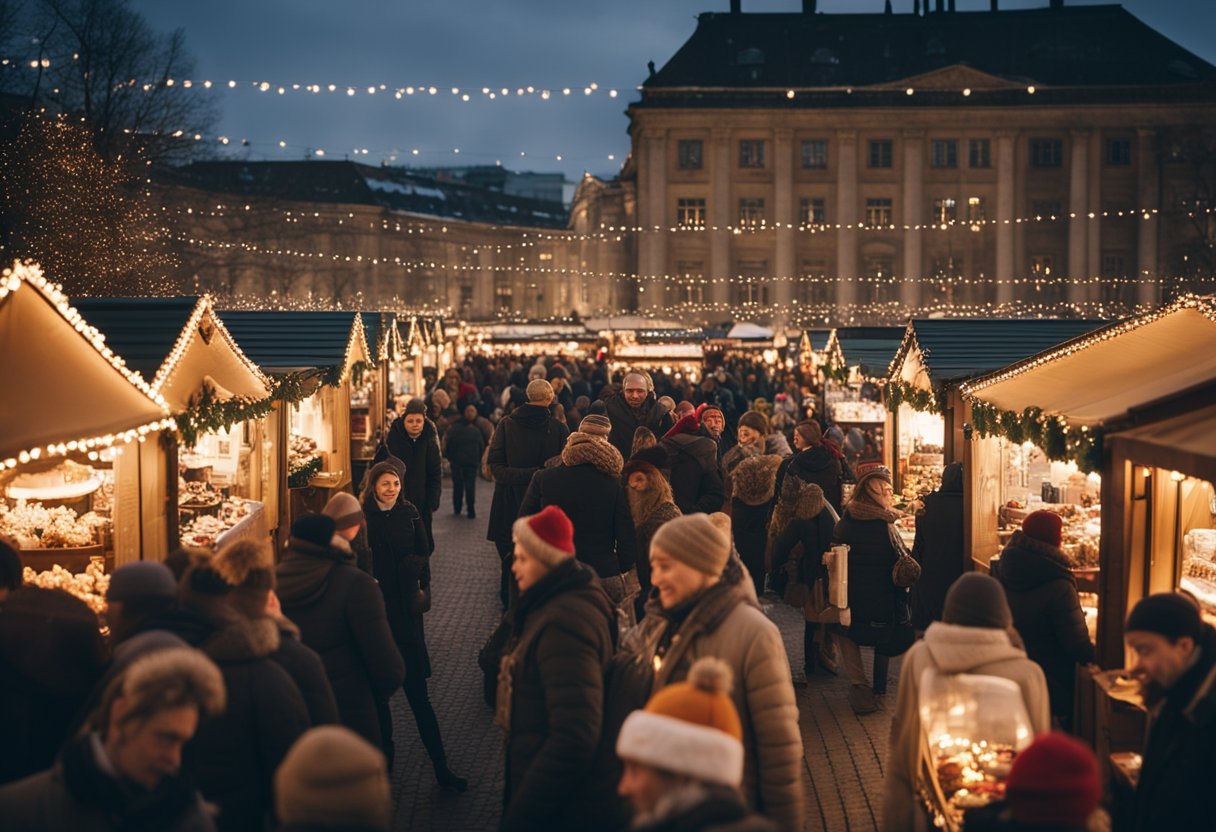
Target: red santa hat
x: 547, y: 535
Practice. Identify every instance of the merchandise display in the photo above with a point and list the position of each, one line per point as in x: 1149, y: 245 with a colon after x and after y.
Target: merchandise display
x: 34, y: 526
x: 89, y: 586
x: 213, y: 529
x: 858, y: 412
x: 1199, y: 567
x: 303, y: 460
x: 1030, y: 482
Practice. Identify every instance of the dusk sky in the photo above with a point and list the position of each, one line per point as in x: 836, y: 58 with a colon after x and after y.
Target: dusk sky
x: 471, y: 44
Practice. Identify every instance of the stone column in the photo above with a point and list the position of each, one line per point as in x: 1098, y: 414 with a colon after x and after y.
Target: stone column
x: 913, y: 215
x: 847, y: 214
x: 1006, y: 146
x: 783, y: 217
x: 657, y: 222
x: 1093, y: 228
x: 1078, y: 207
x: 720, y: 217
x: 1148, y: 198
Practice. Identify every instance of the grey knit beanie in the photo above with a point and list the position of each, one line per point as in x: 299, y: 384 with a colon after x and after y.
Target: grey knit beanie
x: 595, y: 425
x: 977, y: 600
x: 694, y: 541
x: 345, y: 509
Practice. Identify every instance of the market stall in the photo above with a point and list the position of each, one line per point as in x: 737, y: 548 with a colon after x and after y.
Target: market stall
x: 372, y: 402
x: 857, y: 359
x: 215, y: 478
x: 74, y: 410
x: 317, y: 358
x: 1127, y: 401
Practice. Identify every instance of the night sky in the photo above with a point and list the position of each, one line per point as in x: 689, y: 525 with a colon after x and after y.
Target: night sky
x: 473, y: 44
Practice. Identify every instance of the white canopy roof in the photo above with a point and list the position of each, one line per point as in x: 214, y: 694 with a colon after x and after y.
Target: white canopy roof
x: 63, y: 387
x: 745, y: 329
x: 1104, y: 374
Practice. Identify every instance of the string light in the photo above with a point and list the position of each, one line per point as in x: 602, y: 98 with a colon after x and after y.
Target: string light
x: 204, y: 308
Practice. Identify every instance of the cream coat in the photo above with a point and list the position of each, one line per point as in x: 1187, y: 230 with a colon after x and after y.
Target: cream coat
x: 949, y: 648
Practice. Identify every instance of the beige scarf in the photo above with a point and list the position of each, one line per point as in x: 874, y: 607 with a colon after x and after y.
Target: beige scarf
x: 585, y: 449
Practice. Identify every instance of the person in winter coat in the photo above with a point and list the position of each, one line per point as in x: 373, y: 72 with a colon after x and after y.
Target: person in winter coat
x: 463, y: 448
x: 683, y: 757
x: 692, y: 460
x: 814, y: 461
x: 975, y: 636
x: 700, y: 609
x: 714, y: 426
x: 875, y: 602
x: 523, y: 442
x: 350, y: 529
x: 413, y: 440
x: 650, y: 506
x: 938, y: 548
x: 51, y: 656
x: 333, y: 780
x: 803, y: 516
x: 1047, y: 612
x: 340, y: 613
x: 562, y: 633
x: 1175, y: 660
x: 123, y: 774
x: 587, y: 487
x: 751, y: 510
x: 635, y: 407
x: 401, y: 565
x: 755, y: 439
x: 233, y: 756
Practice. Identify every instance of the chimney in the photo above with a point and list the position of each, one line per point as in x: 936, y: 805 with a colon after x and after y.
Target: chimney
x: 736, y: 6
x: 951, y: 6
x: 916, y: 8
x: 1057, y: 4
x: 939, y: 6
x: 992, y: 6
x: 809, y: 6
x: 887, y: 8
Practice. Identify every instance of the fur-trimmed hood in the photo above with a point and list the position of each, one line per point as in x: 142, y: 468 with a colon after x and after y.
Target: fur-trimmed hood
x: 1026, y: 563
x: 698, y: 447
x: 585, y: 449
x: 802, y: 500
x: 233, y: 637
x: 755, y: 479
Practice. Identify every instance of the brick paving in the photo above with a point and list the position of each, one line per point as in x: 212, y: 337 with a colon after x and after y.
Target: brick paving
x: 844, y: 754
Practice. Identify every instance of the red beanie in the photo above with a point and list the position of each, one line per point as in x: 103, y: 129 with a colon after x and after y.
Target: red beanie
x: 547, y: 535
x: 1044, y: 526
x: 1054, y: 783
x: 687, y: 424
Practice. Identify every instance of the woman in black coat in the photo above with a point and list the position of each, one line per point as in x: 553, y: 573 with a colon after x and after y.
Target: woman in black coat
x: 938, y: 547
x: 751, y: 509
x: 803, y: 516
x: 1046, y: 609
x: 400, y: 562
x: 413, y: 439
x: 815, y: 461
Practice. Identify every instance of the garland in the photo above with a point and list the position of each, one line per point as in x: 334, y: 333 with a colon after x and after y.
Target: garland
x: 299, y: 476
x: 357, y: 371
x: 1059, y: 440
x: 900, y: 392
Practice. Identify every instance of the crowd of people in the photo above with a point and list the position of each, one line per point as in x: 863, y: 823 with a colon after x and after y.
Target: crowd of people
x: 643, y: 526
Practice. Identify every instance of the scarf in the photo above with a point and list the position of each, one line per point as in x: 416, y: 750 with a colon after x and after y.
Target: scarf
x: 585, y: 449
x: 643, y: 503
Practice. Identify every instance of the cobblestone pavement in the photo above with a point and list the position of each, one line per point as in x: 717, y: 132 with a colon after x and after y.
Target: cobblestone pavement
x: 843, y: 758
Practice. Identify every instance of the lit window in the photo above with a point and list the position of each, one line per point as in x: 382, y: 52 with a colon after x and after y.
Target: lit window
x: 975, y: 212
x: 751, y: 211
x: 945, y: 210
x: 690, y: 213
x: 879, y: 212
x: 812, y: 210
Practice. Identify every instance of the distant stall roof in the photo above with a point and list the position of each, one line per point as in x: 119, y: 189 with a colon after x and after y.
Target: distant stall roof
x: 288, y: 341
x: 869, y: 348
x: 383, y: 336
x: 676, y: 352
x: 632, y: 323
x: 746, y: 331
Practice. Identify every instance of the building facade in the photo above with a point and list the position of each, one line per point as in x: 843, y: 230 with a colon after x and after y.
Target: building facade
x: 861, y: 167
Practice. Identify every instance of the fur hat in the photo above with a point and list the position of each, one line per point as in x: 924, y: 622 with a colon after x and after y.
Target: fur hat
x: 344, y: 508
x: 333, y: 778
x: 977, y: 600
x: 1168, y: 614
x: 142, y: 580
x: 539, y: 390
x: 547, y: 535
x: 755, y: 479
x: 655, y: 455
x: 694, y: 541
x: 756, y: 421
x: 246, y: 563
x: 595, y: 425
x: 1054, y: 783
x: 415, y: 406
x: 317, y: 529
x: 1045, y: 527
x: 638, y: 465
x: 689, y: 728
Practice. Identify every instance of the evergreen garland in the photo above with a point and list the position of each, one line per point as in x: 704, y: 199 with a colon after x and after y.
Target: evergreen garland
x: 1058, y: 439
x: 298, y: 477
x: 900, y: 392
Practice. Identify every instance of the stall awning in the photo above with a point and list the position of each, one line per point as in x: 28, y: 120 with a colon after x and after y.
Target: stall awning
x: 746, y: 331
x: 869, y: 348
x: 935, y: 351
x: 1104, y: 374
x: 63, y: 387
x: 1183, y: 443
x: 282, y: 342
x: 383, y: 337
x: 179, y: 345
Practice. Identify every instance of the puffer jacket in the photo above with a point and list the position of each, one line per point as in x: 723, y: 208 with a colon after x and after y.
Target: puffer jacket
x: 1042, y: 595
x: 723, y: 623
x: 562, y: 635
x: 523, y: 442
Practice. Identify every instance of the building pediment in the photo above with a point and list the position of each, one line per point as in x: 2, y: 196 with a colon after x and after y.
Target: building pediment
x: 956, y: 77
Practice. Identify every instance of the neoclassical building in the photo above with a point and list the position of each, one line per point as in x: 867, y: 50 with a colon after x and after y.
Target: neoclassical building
x: 860, y: 166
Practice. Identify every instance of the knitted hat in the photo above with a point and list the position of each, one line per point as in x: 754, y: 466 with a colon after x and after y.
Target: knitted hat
x: 389, y: 463
x: 977, y: 600
x: 694, y: 541
x: 722, y: 520
x: 539, y: 390
x: 689, y: 728
x: 317, y: 529
x: 861, y: 491
x: 142, y: 580
x: 810, y: 431
x: 547, y: 535
x: 687, y: 424
x: 415, y: 406
x: 1054, y: 783
x: 1168, y: 614
x: 344, y: 508
x: 655, y: 455
x: 595, y: 425
x: 1045, y: 527
x: 332, y: 777
x: 756, y: 421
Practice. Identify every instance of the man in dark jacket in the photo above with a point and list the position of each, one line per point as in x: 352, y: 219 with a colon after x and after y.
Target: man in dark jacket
x: 523, y: 442
x: 340, y: 613
x: 587, y: 487
x: 464, y: 445
x: 696, y: 484
x: 635, y: 407
x: 713, y: 426
x: 939, y: 547
x: 123, y: 774
x: 551, y: 691
x: 413, y: 440
x: 1042, y: 594
x: 1175, y: 655
x: 814, y: 461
